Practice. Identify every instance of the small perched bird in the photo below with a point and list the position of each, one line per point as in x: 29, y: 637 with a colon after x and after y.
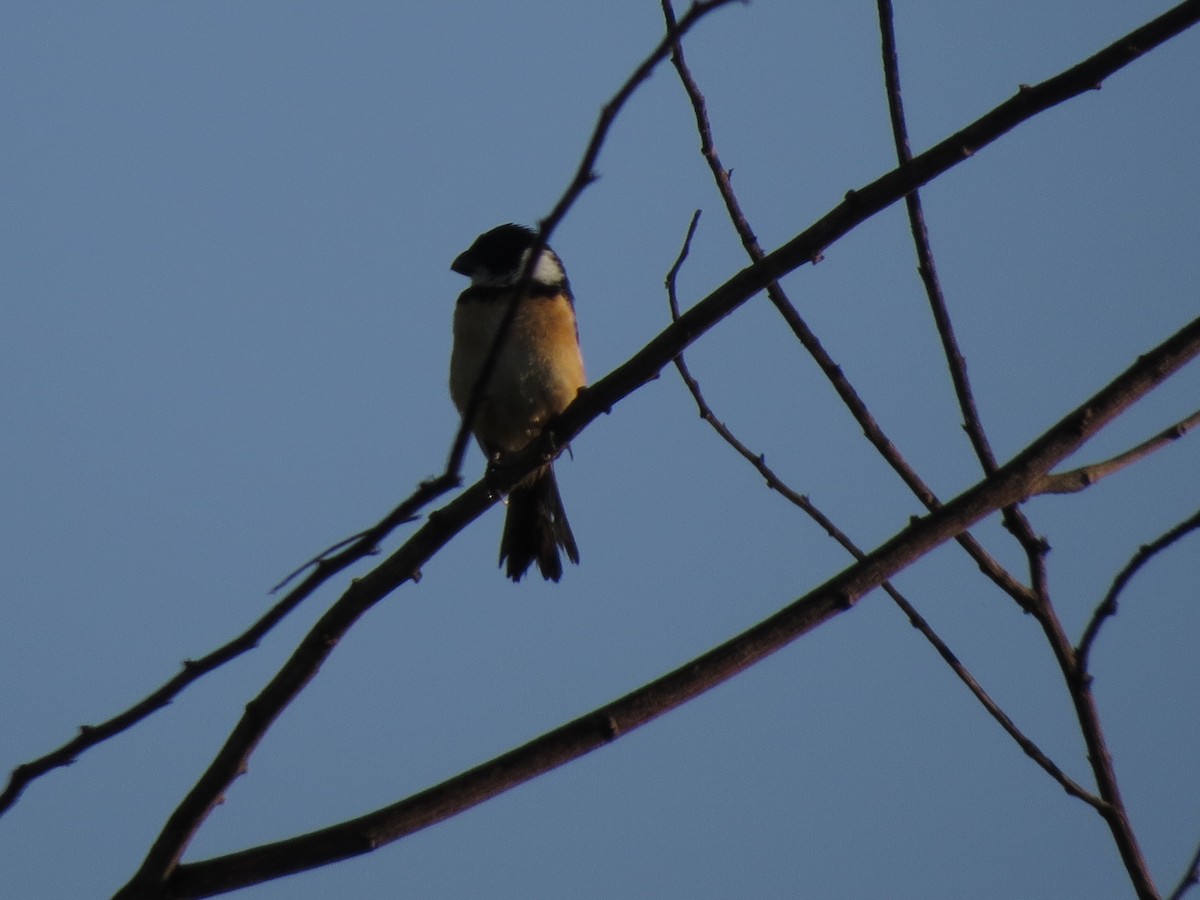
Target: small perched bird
x: 538, y: 372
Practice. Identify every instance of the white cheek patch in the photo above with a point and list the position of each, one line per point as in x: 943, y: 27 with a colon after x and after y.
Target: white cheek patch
x: 548, y: 270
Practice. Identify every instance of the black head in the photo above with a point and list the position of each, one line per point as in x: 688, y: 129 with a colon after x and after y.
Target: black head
x: 496, y: 257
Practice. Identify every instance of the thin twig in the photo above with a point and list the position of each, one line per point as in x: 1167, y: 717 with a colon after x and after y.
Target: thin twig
x: 316, y: 560
x: 325, y: 567
x: 1114, y: 813
x: 809, y: 340
x: 1190, y: 878
x: 1108, y: 606
x: 956, y: 362
x: 801, y: 501
x: 1084, y: 477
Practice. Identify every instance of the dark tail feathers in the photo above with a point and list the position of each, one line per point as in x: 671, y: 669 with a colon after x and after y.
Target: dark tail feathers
x: 536, y: 527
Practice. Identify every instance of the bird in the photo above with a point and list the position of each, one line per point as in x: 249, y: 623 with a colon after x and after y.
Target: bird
x: 537, y: 373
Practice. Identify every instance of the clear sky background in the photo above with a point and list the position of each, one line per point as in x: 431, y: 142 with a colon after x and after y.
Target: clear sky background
x: 226, y: 298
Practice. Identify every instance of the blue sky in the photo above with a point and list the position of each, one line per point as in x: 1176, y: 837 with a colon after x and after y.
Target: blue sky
x: 224, y: 263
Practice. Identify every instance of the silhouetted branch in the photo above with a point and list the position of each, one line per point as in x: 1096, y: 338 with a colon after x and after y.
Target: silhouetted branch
x: 1108, y: 606
x: 956, y: 362
x: 1035, y: 547
x: 1190, y: 878
x: 1084, y: 477
x: 364, y: 544
x: 1114, y: 813
x: 809, y: 340
x: 157, y: 877
x: 777, y: 484
x: 577, y: 738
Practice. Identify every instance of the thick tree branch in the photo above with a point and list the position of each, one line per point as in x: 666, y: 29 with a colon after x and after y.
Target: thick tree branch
x: 1005, y: 487
x: 577, y: 738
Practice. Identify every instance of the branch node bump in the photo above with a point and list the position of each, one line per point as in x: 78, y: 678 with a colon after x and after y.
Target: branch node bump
x: 611, y: 726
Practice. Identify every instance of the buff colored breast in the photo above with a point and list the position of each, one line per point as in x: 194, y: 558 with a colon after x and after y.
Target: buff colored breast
x: 538, y: 373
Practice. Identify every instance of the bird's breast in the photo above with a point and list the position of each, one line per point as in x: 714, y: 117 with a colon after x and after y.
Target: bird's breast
x: 537, y: 374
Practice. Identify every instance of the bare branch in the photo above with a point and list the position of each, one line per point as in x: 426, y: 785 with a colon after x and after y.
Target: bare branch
x: 808, y: 339
x: 1111, y: 808
x: 1003, y: 488
x: 1014, y: 518
x: 1087, y: 714
x: 324, y: 567
x: 610, y: 722
x: 1084, y: 477
x: 323, y: 555
x: 1035, y: 547
x: 809, y: 508
x: 956, y: 362
x: 1190, y: 878
x: 1108, y: 606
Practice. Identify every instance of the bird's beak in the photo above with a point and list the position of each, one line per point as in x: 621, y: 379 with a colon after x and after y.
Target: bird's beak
x: 461, y: 264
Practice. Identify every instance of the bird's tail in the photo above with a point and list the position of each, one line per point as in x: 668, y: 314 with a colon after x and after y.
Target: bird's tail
x: 536, y: 527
